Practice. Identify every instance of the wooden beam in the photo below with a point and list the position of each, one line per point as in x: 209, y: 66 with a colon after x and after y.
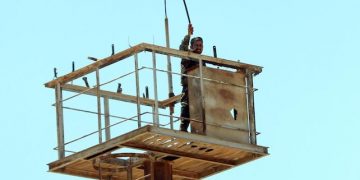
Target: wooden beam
x: 200, y: 157
x: 149, y: 47
x: 121, y: 97
x: 92, y: 67
x: 109, y: 94
x: 168, y: 102
x: 186, y: 174
x: 206, y: 139
x: 207, y: 59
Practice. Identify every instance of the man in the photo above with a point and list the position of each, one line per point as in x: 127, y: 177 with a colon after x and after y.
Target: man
x: 196, y: 46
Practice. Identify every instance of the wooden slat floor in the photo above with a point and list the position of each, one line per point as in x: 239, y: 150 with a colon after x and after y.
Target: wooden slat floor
x: 192, y: 156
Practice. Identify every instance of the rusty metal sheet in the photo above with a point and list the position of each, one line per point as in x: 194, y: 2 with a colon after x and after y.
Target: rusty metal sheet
x: 225, y: 92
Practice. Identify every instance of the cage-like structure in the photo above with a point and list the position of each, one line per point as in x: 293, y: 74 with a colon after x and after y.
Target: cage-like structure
x: 222, y: 114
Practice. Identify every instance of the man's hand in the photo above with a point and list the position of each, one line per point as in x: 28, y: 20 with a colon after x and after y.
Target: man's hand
x: 190, y: 29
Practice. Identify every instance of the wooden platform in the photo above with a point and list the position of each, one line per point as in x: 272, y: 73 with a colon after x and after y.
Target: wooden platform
x: 192, y: 156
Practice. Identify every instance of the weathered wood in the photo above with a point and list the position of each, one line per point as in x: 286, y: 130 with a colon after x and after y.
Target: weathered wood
x: 149, y: 47
x: 92, y: 67
x: 202, y: 99
x: 186, y: 174
x: 207, y: 59
x: 180, y: 153
x: 109, y: 94
x: 190, y: 162
x: 120, y: 96
x: 252, y: 126
x: 170, y: 101
x: 205, y: 139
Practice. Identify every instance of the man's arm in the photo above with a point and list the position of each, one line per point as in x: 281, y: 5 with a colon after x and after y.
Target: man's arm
x: 184, y: 46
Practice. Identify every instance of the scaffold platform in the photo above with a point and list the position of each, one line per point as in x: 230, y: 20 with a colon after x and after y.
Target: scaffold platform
x: 191, y: 156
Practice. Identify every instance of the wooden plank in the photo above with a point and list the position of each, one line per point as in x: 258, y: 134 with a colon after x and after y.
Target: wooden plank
x: 149, y: 47
x: 185, y: 174
x: 92, y: 67
x: 207, y: 59
x: 109, y: 94
x: 204, y: 139
x: 168, y: 102
x: 180, y: 153
x: 120, y: 96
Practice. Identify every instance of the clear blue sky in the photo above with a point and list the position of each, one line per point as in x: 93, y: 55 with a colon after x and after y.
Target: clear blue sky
x: 308, y: 98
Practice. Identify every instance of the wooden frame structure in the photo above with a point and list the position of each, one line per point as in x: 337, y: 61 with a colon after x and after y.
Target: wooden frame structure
x: 186, y: 156
x: 192, y: 156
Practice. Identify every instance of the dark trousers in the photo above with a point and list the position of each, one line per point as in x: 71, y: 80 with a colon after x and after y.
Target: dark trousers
x: 185, y: 110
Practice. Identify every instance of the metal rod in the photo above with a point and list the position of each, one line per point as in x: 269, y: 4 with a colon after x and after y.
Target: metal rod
x: 169, y: 68
x: 86, y: 82
x: 202, y: 113
x: 187, y: 12
x: 165, y: 8
x: 55, y: 73
x: 112, y: 49
x: 107, y: 118
x: 214, y: 51
x: 113, y: 116
x: 73, y: 66
x: 86, y: 135
x: 59, y: 121
x: 156, y: 106
x: 98, y: 104
x: 137, y: 90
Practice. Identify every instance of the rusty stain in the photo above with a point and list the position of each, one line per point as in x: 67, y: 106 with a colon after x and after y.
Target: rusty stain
x: 226, y: 94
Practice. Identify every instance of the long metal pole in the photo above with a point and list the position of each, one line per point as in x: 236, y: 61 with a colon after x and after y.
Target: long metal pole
x: 137, y: 90
x: 187, y: 12
x: 59, y: 121
x: 156, y: 107
x: 98, y: 104
x: 107, y: 118
x: 202, y: 114
x: 169, y: 68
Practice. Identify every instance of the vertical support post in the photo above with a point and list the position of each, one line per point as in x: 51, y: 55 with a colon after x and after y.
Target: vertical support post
x: 148, y: 170
x: 158, y: 170
x: 98, y: 104
x: 250, y: 90
x: 129, y: 170
x: 137, y: 89
x: 107, y: 118
x: 202, y: 113
x: 156, y: 107
x: 59, y: 121
x: 169, y: 69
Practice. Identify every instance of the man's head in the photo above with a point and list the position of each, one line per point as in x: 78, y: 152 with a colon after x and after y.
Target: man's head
x: 196, y: 45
